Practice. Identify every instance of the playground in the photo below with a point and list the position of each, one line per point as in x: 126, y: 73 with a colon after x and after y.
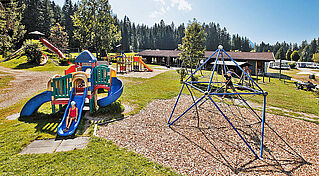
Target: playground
x: 290, y: 144
x: 98, y: 87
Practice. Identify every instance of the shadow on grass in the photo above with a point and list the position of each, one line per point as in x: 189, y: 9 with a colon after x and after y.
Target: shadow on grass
x: 45, y: 123
x: 25, y: 66
x: 276, y: 75
x: 48, y: 123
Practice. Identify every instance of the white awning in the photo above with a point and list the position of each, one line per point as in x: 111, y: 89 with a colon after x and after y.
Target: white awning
x: 228, y: 63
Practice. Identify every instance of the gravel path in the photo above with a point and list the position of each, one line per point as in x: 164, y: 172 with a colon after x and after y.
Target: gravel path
x: 143, y: 74
x: 25, y: 84
x: 291, y: 146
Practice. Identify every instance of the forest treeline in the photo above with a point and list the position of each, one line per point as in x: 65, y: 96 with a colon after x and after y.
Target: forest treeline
x: 42, y: 15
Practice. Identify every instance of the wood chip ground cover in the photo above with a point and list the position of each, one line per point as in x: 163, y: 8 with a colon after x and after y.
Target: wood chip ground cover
x: 291, y: 145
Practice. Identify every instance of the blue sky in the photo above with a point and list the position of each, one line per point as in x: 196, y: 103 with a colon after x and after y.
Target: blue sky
x: 267, y: 20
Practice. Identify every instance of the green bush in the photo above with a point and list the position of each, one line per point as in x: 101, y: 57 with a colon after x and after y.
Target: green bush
x: 292, y: 65
x: 182, y: 72
x: 64, y: 62
x: 33, y: 50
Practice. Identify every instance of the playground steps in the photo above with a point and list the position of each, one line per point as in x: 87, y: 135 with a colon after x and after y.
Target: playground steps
x: 60, y: 101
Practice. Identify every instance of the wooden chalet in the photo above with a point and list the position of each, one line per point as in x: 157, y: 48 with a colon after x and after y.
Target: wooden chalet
x: 256, y: 60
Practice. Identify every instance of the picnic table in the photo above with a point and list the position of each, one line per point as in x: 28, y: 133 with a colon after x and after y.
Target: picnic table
x: 309, y: 86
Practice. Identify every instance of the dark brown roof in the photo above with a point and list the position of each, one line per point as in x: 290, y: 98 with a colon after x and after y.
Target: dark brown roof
x: 265, y: 56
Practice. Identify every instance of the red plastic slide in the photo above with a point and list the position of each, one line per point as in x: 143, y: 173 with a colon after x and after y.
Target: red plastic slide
x: 52, y: 48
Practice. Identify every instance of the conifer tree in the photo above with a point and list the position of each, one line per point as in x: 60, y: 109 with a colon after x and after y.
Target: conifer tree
x: 11, y: 29
x: 288, y: 54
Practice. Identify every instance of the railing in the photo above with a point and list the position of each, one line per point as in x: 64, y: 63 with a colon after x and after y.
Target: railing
x: 101, y: 75
x: 61, y: 86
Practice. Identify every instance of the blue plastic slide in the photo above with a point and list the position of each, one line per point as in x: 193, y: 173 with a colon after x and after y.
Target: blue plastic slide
x: 115, y: 93
x: 35, y: 102
x: 79, y: 100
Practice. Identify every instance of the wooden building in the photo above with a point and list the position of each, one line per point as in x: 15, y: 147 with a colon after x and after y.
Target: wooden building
x: 256, y: 60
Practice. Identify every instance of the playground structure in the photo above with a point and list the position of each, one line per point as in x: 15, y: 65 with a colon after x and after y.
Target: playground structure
x: 46, y: 43
x: 213, y: 89
x: 125, y: 64
x: 80, y: 84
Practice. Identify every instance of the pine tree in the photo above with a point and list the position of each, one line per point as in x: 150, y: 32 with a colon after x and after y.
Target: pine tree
x: 57, y: 13
x: 295, y: 47
x: 305, y: 54
x: 303, y: 44
x: 125, y: 30
x: 245, y: 45
x: 288, y: 54
x: 47, y: 17
x: 280, y: 54
x: 313, y: 47
x: 67, y: 22
x: 32, y: 16
x: 134, y: 38
x: 11, y: 29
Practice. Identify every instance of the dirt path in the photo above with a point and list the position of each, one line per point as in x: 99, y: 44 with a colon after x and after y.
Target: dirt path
x: 143, y: 74
x: 24, y: 85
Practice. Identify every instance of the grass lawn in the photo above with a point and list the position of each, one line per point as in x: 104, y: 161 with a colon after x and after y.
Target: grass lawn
x: 21, y: 63
x: 139, y: 91
x: 101, y: 157
x: 288, y: 97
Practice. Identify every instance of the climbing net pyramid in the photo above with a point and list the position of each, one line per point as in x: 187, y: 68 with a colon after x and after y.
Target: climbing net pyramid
x: 209, y: 97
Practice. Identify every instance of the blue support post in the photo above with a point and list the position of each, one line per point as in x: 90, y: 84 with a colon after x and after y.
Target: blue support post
x: 243, y: 93
x: 179, y: 95
x: 224, y: 63
x: 262, y: 128
x: 233, y: 127
x: 211, y: 77
x: 186, y: 110
x: 250, y: 107
x: 195, y: 105
x: 242, y: 70
x: 201, y: 65
x: 194, y: 87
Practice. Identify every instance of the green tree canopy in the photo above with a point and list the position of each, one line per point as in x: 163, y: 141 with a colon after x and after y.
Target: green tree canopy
x: 305, y: 54
x: 315, y: 57
x: 295, y: 56
x: 33, y: 50
x: 11, y: 29
x: 280, y: 54
x: 313, y: 46
x: 95, y: 27
x: 193, y: 44
x: 58, y: 36
x: 288, y: 54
